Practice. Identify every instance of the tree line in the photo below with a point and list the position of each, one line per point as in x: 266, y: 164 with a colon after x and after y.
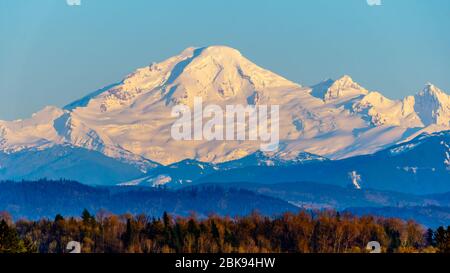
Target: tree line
x: 303, y: 232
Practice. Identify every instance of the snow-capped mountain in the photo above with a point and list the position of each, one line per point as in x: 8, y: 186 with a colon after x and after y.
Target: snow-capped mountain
x: 174, y: 175
x: 432, y: 106
x: 271, y: 159
x: 131, y: 120
x: 428, y: 107
x: 66, y: 162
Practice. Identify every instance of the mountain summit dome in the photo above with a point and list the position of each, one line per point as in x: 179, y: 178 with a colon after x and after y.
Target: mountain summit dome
x: 214, y: 73
x: 220, y: 50
x: 218, y: 73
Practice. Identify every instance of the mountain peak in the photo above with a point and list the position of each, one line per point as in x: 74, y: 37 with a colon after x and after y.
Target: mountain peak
x: 217, y: 51
x: 217, y: 73
x: 344, y: 87
x: 345, y: 79
x: 433, y: 105
x: 432, y: 92
x: 431, y: 89
x: 346, y: 82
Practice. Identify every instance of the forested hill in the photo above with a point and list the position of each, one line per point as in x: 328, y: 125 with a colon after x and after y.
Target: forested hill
x: 43, y: 198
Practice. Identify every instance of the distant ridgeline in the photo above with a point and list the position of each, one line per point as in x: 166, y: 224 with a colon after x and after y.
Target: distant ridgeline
x: 45, y: 199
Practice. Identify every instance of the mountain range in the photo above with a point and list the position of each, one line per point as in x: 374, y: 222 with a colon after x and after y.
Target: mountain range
x: 419, y: 166
x: 341, y: 145
x: 130, y: 121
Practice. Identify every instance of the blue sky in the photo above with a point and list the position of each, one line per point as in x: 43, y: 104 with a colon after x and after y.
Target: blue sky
x: 52, y: 53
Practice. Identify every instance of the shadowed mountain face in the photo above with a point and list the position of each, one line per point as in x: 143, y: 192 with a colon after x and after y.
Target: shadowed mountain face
x: 419, y: 166
x: 63, y: 161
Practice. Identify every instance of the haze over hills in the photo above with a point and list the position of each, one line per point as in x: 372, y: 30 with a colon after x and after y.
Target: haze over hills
x: 45, y: 199
x: 129, y: 121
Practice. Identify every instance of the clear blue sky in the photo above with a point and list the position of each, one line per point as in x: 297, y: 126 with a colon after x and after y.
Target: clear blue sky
x: 52, y: 53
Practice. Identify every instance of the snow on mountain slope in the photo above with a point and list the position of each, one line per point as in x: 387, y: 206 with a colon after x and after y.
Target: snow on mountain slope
x: 433, y: 106
x: 34, y: 132
x: 131, y: 120
x: 383, y: 111
x: 174, y: 175
x: 137, y: 114
x: 187, y: 171
x: 52, y: 127
x: 343, y: 89
x: 419, y: 166
x: 65, y: 161
x: 271, y: 159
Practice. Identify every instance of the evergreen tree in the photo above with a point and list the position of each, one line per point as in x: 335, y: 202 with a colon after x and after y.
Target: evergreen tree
x: 429, y: 237
x: 167, y: 228
x: 166, y: 220
x: 441, y: 238
x: 394, y: 239
x: 9, y: 240
x: 215, y: 233
x: 59, y: 217
x: 88, y: 219
x: 128, y: 235
x: 177, y: 238
x: 193, y: 228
